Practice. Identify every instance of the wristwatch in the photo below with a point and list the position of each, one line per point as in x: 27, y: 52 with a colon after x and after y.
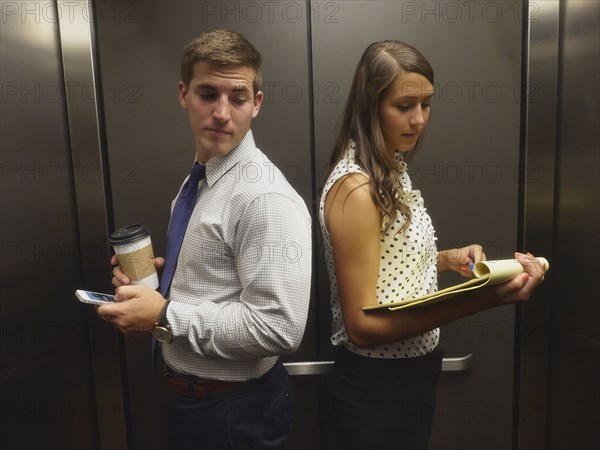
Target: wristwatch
x: 162, y: 330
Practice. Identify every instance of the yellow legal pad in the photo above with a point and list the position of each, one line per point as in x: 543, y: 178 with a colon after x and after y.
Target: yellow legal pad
x: 487, y: 273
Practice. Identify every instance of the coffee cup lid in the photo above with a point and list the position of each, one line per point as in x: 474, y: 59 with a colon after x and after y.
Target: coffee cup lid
x: 128, y: 234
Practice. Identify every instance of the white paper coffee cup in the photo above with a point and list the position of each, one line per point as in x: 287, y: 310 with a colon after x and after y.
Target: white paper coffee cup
x: 133, y: 247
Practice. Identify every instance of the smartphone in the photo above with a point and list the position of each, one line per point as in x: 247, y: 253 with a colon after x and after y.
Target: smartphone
x: 95, y: 298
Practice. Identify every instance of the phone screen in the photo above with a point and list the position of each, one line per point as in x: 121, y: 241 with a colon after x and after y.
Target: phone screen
x: 101, y: 297
x: 94, y: 297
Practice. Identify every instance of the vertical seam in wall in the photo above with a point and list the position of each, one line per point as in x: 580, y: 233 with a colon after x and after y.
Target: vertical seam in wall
x: 80, y: 67
x: 556, y: 206
x: 86, y: 323
x: 109, y: 209
x: 315, y: 201
x: 313, y: 158
x: 525, y: 36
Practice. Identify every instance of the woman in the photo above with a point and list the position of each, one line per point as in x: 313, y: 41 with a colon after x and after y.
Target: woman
x: 380, y: 248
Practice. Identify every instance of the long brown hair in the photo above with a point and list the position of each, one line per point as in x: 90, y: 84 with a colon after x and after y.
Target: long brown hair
x: 377, y: 69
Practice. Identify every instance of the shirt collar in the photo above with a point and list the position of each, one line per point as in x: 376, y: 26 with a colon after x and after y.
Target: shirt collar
x: 218, y: 166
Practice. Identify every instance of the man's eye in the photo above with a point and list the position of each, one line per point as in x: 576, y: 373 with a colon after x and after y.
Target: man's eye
x: 239, y: 99
x: 208, y: 97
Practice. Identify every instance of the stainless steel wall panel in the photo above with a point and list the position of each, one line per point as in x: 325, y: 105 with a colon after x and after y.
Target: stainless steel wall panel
x: 538, y: 181
x: 91, y: 133
x: 574, y: 391
x: 76, y: 21
x: 151, y: 147
x: 46, y: 384
x: 560, y: 349
x: 467, y: 170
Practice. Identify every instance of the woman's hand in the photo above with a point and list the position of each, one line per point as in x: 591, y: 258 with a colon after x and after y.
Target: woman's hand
x: 520, y: 288
x: 460, y: 260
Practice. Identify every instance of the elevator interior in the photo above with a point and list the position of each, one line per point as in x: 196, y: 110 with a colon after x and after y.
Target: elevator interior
x: 93, y: 138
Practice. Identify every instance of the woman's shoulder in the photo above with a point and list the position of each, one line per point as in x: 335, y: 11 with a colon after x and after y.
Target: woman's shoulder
x: 346, y: 165
x: 349, y: 208
x: 351, y: 181
x: 353, y: 187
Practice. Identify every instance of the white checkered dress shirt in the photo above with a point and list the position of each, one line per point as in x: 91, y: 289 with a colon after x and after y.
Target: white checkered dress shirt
x: 241, y: 290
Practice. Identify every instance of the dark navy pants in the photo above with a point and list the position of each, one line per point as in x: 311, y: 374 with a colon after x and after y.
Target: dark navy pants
x: 254, y: 416
x: 385, y: 404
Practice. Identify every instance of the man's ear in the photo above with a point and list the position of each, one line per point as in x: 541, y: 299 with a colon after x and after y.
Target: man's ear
x: 258, y: 98
x: 183, y: 91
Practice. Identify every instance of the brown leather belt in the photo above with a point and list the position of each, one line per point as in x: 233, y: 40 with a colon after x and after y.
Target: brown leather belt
x: 197, y: 387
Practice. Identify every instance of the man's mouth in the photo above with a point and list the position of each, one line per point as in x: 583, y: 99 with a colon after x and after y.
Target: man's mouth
x: 218, y: 131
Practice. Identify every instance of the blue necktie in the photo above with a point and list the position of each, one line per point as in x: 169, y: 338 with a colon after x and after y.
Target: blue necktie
x: 178, y: 224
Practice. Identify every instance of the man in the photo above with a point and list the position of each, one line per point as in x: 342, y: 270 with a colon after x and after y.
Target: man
x: 240, y: 291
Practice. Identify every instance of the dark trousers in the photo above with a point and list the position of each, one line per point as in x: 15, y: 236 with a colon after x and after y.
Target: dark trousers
x: 254, y: 416
x: 385, y: 403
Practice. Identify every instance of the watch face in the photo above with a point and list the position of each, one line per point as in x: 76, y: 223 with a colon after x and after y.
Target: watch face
x: 162, y: 334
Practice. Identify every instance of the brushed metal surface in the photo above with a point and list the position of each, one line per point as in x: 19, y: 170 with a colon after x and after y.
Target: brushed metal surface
x: 76, y: 21
x: 538, y: 188
x: 452, y: 364
x: 559, y: 403
x: 150, y: 145
x: 574, y: 391
x: 46, y: 387
x: 58, y: 106
x: 467, y: 171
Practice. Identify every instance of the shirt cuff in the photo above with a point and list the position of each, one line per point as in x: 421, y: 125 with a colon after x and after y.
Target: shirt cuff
x: 179, y: 316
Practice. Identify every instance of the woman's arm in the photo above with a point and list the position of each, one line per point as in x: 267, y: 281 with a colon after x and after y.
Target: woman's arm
x: 353, y: 222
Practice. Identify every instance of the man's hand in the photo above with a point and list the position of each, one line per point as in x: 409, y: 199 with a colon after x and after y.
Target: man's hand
x: 120, y: 279
x: 136, y: 312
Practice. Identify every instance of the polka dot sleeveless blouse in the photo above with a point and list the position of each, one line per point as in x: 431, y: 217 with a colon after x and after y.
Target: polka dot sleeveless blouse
x: 407, y: 267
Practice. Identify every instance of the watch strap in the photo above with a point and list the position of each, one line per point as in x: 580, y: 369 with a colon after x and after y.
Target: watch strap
x: 162, y: 317
x: 162, y: 330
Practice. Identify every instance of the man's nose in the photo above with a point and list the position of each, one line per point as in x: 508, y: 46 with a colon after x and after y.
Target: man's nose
x: 221, y: 111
